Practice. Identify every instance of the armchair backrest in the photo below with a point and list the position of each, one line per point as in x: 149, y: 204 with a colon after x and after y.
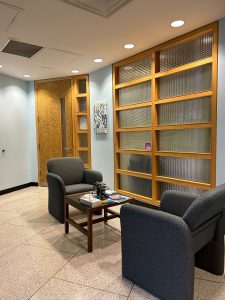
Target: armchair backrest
x: 205, y: 207
x: 70, y: 169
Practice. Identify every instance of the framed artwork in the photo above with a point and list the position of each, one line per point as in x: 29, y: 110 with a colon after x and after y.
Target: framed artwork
x: 100, y: 117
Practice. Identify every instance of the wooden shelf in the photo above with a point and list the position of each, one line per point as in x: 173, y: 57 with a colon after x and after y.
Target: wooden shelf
x: 133, y: 129
x: 82, y: 131
x: 81, y: 95
x: 184, y: 97
x: 199, y: 185
x: 134, y: 174
x: 133, y: 106
x: 184, y: 154
x: 134, y: 151
x: 132, y: 82
x: 183, y: 126
x: 82, y: 113
x: 185, y: 67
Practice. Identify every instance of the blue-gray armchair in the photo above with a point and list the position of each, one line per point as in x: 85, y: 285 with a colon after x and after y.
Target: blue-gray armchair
x: 66, y: 175
x: 161, y: 247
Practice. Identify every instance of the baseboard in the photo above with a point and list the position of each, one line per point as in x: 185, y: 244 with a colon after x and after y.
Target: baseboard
x: 18, y: 187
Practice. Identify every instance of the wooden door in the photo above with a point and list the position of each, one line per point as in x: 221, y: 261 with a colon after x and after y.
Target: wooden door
x: 54, y: 122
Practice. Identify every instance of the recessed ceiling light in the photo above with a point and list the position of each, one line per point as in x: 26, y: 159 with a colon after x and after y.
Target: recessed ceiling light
x: 177, y: 23
x: 98, y: 60
x: 1, y: 66
x: 26, y: 75
x: 75, y: 71
x: 128, y: 46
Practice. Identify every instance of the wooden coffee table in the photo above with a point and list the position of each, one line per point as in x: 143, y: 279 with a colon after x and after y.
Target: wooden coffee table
x: 109, y: 214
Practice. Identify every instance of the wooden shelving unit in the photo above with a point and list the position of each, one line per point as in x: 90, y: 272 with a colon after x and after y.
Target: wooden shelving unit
x: 82, y: 118
x: 168, y: 97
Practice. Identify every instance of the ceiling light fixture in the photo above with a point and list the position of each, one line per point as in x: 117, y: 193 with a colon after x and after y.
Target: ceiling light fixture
x: 75, y: 71
x: 1, y: 66
x: 128, y: 46
x: 177, y: 23
x: 26, y: 75
x: 98, y: 60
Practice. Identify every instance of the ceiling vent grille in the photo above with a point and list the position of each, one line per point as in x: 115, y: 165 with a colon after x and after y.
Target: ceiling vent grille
x: 21, y: 49
x: 103, y: 8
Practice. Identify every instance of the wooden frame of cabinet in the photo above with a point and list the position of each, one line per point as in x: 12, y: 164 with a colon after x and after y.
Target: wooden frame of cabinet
x: 81, y: 150
x: 155, y: 101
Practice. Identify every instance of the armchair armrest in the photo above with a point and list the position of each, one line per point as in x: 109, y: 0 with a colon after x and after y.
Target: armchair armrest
x: 91, y: 176
x: 56, y: 194
x: 176, y: 202
x: 55, y: 182
x: 157, y: 252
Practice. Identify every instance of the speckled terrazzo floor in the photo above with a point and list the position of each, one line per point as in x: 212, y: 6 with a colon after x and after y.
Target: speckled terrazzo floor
x: 37, y: 260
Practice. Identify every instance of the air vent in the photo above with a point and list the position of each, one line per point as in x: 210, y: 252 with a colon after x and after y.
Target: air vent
x: 103, y: 8
x: 21, y: 49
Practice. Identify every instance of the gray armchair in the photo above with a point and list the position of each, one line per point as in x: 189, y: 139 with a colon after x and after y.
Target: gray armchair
x: 161, y: 248
x: 66, y: 175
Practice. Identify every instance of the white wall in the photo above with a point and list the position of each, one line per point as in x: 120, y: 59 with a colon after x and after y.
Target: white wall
x: 102, y: 146
x: 16, y: 130
x: 220, y: 158
x: 32, y: 133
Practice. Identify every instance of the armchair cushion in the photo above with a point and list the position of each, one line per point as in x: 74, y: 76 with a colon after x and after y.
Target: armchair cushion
x: 176, y: 202
x: 91, y: 176
x: 70, y: 169
x: 78, y: 188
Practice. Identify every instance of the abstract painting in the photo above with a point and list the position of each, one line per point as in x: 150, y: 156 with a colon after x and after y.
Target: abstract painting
x: 100, y: 117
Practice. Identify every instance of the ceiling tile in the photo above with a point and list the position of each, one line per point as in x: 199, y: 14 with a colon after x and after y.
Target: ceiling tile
x: 53, y: 58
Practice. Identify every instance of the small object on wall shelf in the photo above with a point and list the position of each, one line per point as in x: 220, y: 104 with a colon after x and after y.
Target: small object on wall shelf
x: 148, y: 146
x: 100, y: 117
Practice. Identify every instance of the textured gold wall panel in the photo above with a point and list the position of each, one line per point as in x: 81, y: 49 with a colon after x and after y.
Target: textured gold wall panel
x: 48, y: 94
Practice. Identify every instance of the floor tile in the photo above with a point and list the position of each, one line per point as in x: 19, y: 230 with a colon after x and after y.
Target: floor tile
x: 54, y: 237
x: 206, y: 290
x: 24, y: 270
x: 61, y: 290
x: 139, y: 294
x: 5, y: 216
x: 37, y: 217
x: 200, y: 274
x: 14, y: 235
x: 100, y: 269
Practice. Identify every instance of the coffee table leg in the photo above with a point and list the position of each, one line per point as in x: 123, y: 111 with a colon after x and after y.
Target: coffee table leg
x: 105, y: 215
x: 90, y: 233
x: 66, y: 206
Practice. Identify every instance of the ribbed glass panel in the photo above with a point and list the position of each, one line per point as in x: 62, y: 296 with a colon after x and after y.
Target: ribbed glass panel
x: 135, y: 70
x: 83, y: 140
x: 185, y: 140
x: 82, y: 104
x: 184, y: 168
x: 135, y: 140
x: 188, y: 52
x: 136, y: 163
x: 136, y: 185
x: 82, y: 122
x: 163, y: 186
x: 135, y: 94
x: 84, y: 156
x: 187, y: 82
x: 82, y: 86
x: 135, y: 117
x: 185, y: 112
